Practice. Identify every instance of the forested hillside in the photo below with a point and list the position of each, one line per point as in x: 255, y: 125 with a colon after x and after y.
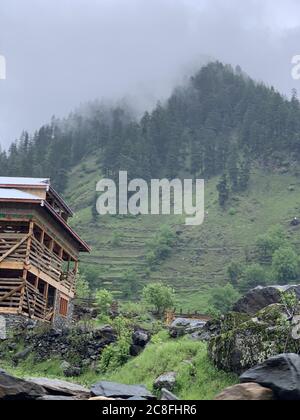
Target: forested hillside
x: 219, y: 118
x: 241, y: 136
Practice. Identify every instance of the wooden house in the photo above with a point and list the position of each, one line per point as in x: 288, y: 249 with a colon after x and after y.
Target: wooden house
x: 39, y: 252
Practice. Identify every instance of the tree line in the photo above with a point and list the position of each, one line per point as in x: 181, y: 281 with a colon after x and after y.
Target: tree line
x: 217, y: 124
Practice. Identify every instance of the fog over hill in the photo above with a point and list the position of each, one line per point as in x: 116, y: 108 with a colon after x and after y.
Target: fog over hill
x: 62, y: 53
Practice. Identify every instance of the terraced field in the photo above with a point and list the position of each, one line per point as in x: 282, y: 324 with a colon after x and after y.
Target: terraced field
x: 199, y: 259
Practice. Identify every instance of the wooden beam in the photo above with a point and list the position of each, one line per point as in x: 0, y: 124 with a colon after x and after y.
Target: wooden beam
x: 12, y: 265
x: 36, y: 272
x: 12, y: 292
x: 9, y: 311
x: 14, y: 248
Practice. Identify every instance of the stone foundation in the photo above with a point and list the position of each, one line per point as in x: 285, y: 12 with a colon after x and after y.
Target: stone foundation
x: 60, y: 321
x: 10, y: 323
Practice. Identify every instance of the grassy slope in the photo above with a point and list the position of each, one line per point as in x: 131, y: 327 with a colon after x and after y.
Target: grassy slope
x: 197, y: 379
x: 199, y: 260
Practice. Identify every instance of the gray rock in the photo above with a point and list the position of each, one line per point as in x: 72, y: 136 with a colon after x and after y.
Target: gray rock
x: 185, y: 326
x: 245, y: 343
x: 167, y: 381
x: 65, y: 365
x: 261, y: 297
x: 72, y: 372
x: 115, y: 390
x: 56, y: 398
x: 246, y: 392
x: 22, y: 355
x: 140, y: 338
x: 280, y: 373
x: 167, y: 395
x: 17, y: 389
x: 63, y: 388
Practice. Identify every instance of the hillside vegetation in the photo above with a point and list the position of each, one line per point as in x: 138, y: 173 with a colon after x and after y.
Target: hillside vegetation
x: 241, y: 136
x: 199, y: 259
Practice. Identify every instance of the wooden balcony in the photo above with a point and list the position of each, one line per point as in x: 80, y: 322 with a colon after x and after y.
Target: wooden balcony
x: 18, y: 251
x: 20, y: 297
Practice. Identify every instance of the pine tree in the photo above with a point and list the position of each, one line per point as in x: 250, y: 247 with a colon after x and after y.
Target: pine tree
x: 223, y: 191
x: 244, y: 176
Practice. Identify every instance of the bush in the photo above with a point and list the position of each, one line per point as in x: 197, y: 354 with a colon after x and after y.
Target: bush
x: 222, y: 299
x: 116, y: 240
x: 160, y: 296
x: 232, y: 212
x: 285, y: 265
x: 83, y: 290
x: 267, y: 244
x: 253, y: 276
x: 104, y: 300
x: 117, y: 354
x: 130, y: 283
x: 234, y: 271
x: 160, y: 247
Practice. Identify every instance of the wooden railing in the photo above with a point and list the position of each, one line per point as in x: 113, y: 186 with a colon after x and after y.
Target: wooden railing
x: 45, y: 260
x: 13, y: 248
x: 34, y: 303
x: 10, y: 293
x: 68, y: 280
x: 18, y: 296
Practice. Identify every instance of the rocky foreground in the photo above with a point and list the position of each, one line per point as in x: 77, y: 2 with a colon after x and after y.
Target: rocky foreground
x: 43, y: 389
x: 259, y: 341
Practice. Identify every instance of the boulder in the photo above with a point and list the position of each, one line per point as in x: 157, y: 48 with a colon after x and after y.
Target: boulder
x: 72, y: 372
x: 61, y: 388
x: 280, y: 373
x: 261, y: 297
x: 246, y: 392
x: 140, y: 338
x: 65, y: 365
x: 243, y: 345
x: 22, y: 355
x: 56, y: 398
x: 115, y: 390
x: 17, y: 389
x: 167, y: 381
x: 185, y: 326
x: 135, y: 350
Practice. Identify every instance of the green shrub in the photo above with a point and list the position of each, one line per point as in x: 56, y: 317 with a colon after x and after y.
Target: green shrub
x: 130, y: 283
x: 232, y: 212
x: 269, y: 243
x: 234, y: 271
x: 222, y: 299
x: 160, y: 247
x: 83, y: 290
x: 117, y: 354
x: 285, y: 265
x: 104, y: 300
x: 116, y: 240
x: 253, y: 276
x: 159, y: 296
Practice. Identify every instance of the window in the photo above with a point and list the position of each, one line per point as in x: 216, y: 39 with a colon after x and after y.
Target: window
x: 63, y: 307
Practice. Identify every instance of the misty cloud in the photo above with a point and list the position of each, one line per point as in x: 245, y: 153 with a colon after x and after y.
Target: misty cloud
x: 61, y: 53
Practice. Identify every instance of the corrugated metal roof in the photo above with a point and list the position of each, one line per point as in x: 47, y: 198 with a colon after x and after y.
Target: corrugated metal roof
x: 12, y: 194
x: 30, y: 182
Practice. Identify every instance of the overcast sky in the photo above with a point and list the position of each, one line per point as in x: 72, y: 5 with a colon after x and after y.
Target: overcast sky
x: 61, y: 53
